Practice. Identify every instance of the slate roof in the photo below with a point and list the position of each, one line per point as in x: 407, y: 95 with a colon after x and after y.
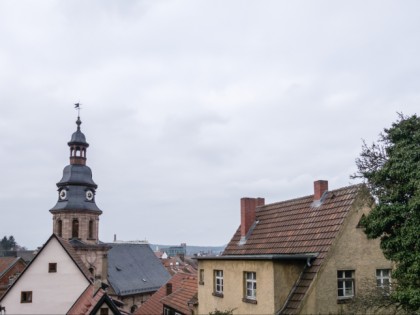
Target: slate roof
x: 184, y: 289
x: 297, y: 226
x: 134, y: 268
x: 76, y: 180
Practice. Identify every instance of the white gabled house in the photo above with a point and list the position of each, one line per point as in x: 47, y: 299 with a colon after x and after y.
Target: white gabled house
x: 50, y: 284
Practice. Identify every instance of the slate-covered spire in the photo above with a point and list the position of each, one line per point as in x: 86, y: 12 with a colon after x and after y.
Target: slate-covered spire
x: 76, y: 189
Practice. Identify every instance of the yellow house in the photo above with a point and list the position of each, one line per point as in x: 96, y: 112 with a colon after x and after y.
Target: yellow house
x: 302, y: 256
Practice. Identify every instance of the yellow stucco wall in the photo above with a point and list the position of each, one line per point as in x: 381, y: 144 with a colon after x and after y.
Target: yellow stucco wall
x: 271, y: 277
x: 351, y: 251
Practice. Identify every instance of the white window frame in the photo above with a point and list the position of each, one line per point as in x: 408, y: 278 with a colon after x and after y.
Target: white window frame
x: 383, y: 279
x: 345, y: 284
x: 218, y: 281
x: 250, y: 285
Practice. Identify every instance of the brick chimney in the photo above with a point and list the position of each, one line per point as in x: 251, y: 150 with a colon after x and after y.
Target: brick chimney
x: 320, y: 186
x: 168, y: 288
x: 248, y: 206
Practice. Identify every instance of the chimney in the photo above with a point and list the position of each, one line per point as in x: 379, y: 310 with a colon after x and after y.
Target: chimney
x: 168, y: 288
x: 320, y: 186
x: 248, y: 206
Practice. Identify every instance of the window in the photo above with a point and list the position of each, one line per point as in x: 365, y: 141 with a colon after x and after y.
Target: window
x: 201, y: 281
x: 60, y: 228
x: 52, y: 267
x: 91, y: 229
x: 104, y: 311
x: 75, y: 228
x: 345, y: 284
x: 250, y: 287
x: 218, y: 283
x: 26, y: 297
x: 383, y: 279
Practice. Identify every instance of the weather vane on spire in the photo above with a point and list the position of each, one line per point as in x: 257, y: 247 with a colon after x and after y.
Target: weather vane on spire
x: 77, y: 106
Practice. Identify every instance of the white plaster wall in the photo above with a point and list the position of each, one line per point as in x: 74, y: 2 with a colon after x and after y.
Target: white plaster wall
x: 52, y: 293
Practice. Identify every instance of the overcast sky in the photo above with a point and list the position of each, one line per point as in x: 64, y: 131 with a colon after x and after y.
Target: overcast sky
x: 190, y: 105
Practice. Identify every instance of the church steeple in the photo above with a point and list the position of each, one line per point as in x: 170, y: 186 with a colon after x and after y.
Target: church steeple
x: 76, y: 215
x: 78, y: 146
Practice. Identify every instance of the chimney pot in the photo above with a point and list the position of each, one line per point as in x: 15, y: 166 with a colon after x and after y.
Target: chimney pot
x: 320, y: 186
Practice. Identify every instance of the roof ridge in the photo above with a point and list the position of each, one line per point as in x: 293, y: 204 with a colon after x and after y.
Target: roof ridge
x: 308, y: 196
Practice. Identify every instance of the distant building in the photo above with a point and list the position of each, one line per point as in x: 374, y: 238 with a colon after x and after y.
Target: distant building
x: 10, y: 269
x: 134, y: 273
x: 177, y: 296
x: 302, y: 256
x: 173, y: 251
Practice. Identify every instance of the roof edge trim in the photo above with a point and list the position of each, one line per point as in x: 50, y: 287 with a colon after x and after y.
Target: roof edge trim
x: 263, y: 257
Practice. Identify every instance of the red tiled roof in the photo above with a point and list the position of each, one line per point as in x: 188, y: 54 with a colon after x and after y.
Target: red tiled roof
x: 184, y: 287
x: 87, y: 301
x: 7, y: 262
x: 297, y: 226
x: 179, y: 299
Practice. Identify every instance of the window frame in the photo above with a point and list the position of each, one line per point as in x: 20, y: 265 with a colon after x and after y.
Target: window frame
x: 75, y: 228
x: 52, y: 267
x: 380, y: 279
x: 26, y: 296
x: 201, y: 277
x: 218, y: 285
x: 250, y: 287
x: 90, y: 229
x: 104, y: 311
x: 343, y: 279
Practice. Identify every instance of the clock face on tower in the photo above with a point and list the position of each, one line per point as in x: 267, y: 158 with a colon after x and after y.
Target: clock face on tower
x: 89, y: 195
x: 62, y: 194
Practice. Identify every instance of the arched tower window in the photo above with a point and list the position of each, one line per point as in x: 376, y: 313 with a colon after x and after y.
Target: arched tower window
x: 60, y: 228
x: 90, y: 235
x: 75, y: 228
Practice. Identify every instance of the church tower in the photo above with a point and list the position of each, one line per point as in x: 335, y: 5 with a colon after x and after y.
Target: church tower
x: 76, y: 215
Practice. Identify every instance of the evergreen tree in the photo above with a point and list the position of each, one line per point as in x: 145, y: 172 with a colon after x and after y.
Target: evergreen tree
x: 8, y: 243
x: 391, y: 170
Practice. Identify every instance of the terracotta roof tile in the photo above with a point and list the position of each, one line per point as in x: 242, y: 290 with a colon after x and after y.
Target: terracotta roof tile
x: 184, y: 287
x: 6, y: 263
x: 86, y: 301
x: 179, y: 299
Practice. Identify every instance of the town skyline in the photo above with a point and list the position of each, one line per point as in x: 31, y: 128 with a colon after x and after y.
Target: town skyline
x: 187, y: 107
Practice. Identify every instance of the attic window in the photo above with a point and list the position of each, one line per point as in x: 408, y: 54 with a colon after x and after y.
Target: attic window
x: 26, y: 297
x: 52, y: 267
